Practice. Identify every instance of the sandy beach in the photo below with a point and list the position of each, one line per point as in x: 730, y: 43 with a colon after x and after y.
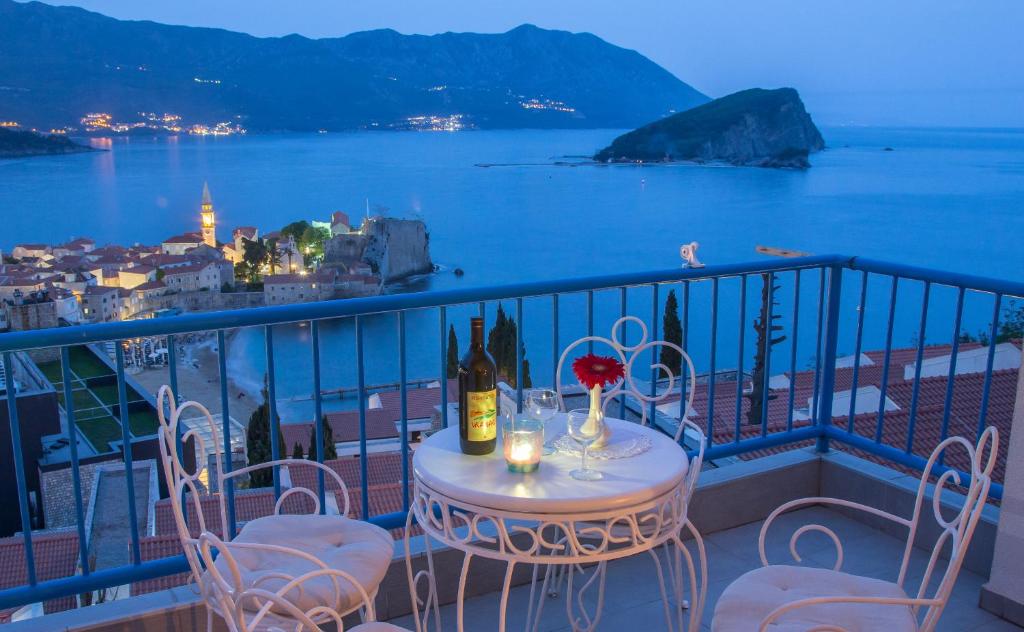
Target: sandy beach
x: 199, y: 380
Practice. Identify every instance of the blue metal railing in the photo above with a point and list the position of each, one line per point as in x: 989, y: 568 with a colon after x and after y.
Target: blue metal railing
x: 718, y: 289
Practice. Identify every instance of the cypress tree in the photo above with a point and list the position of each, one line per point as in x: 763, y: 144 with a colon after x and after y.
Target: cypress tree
x: 453, y: 353
x: 257, y: 442
x: 764, y: 329
x: 501, y: 344
x: 329, y: 451
x: 297, y: 451
x: 673, y: 332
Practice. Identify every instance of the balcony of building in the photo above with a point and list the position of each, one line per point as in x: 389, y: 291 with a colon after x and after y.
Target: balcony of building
x: 876, y: 365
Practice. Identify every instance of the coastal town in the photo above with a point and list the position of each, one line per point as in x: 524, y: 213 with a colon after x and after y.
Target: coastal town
x: 48, y: 285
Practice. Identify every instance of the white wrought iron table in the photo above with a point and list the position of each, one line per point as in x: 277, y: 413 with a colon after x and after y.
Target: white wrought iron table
x: 546, y: 518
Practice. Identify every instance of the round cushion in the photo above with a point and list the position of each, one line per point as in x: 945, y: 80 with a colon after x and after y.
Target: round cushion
x: 754, y: 595
x: 359, y: 548
x: 378, y: 626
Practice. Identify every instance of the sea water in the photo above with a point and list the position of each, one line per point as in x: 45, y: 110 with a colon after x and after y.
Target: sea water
x: 510, y: 206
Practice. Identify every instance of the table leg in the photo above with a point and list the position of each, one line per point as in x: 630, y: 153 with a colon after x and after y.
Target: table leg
x: 431, y: 602
x: 460, y: 598
x: 585, y: 623
x: 505, y: 589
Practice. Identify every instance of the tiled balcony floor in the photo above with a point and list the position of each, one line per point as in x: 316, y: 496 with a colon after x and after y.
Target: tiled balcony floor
x: 632, y: 599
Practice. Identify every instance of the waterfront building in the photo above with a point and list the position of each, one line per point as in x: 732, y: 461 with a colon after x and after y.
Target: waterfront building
x: 181, y: 244
x: 101, y: 303
x: 194, y: 277
x: 22, y: 251
x: 78, y: 247
x: 135, y: 276
x: 36, y: 310
x: 281, y: 289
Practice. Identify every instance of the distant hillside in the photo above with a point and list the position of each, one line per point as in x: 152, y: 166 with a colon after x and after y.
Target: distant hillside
x: 762, y: 128
x: 58, y: 63
x: 21, y: 144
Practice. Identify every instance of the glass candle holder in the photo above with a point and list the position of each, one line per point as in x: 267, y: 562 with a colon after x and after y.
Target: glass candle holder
x: 523, y: 444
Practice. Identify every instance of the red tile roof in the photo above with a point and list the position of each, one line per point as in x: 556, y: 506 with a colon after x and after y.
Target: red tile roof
x: 192, y: 268
x: 150, y: 285
x: 139, y: 269
x: 380, y: 424
x: 187, y: 238
x: 155, y: 548
x: 56, y: 556
x: 964, y: 409
x: 249, y: 504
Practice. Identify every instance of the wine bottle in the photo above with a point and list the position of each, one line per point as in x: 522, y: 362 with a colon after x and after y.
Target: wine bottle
x: 478, y: 396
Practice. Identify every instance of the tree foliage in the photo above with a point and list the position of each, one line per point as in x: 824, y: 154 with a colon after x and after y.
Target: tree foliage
x: 672, y: 330
x: 254, y: 255
x: 1011, y: 327
x: 273, y: 256
x: 765, y: 330
x: 295, y: 229
x: 257, y: 442
x: 453, y: 354
x: 330, y: 452
x: 297, y: 451
x: 501, y: 344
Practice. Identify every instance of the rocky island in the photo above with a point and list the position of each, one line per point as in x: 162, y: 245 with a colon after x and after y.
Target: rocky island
x: 21, y: 144
x: 754, y: 128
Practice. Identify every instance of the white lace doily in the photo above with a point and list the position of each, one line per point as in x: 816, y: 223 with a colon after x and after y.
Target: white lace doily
x: 622, y: 444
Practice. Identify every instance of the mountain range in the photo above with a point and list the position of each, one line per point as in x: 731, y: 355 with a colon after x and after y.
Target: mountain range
x: 58, y: 63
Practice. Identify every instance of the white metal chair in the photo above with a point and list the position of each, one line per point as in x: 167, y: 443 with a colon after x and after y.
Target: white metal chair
x: 784, y: 598
x: 686, y: 430
x: 281, y: 572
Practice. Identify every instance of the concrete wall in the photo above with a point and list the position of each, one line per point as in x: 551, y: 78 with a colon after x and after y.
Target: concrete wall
x: 1004, y: 594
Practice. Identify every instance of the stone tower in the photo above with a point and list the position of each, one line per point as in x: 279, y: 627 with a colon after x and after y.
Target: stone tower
x: 209, y: 224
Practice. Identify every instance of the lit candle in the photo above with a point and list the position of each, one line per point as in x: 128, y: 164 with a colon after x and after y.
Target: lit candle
x: 524, y: 441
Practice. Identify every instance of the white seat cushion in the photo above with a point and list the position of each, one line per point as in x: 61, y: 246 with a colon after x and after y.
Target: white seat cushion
x: 752, y: 597
x: 359, y: 548
x: 378, y: 626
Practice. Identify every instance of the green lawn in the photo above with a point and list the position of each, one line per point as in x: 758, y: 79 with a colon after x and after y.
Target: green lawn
x: 91, y: 417
x: 107, y: 393
x: 52, y: 372
x: 85, y: 364
x: 83, y: 401
x: 101, y: 431
x: 143, y: 423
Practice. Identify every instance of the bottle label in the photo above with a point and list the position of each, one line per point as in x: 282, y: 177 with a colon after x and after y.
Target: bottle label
x: 483, y: 415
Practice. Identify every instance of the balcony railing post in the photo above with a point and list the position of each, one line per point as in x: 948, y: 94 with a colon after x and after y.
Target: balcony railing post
x: 823, y: 415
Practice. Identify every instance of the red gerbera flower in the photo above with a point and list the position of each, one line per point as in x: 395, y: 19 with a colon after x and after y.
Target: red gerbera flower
x: 594, y: 370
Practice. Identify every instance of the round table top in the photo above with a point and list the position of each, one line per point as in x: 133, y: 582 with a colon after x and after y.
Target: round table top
x: 485, y: 481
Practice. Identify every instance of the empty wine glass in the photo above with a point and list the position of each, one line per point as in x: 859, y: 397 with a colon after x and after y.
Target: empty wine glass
x: 542, y: 404
x: 584, y: 430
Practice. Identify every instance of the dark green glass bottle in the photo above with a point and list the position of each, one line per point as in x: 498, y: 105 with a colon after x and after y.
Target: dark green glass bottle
x: 478, y: 396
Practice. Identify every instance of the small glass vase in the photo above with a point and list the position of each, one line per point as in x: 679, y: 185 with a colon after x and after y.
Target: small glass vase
x: 597, y: 414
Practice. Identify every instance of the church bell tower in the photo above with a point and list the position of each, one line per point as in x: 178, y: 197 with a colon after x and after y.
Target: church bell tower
x: 209, y: 224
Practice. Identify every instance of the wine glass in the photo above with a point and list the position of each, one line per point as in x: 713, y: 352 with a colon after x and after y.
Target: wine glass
x: 584, y: 431
x: 542, y: 404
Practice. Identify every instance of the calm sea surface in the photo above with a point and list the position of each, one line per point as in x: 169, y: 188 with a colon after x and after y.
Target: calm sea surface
x: 951, y: 199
